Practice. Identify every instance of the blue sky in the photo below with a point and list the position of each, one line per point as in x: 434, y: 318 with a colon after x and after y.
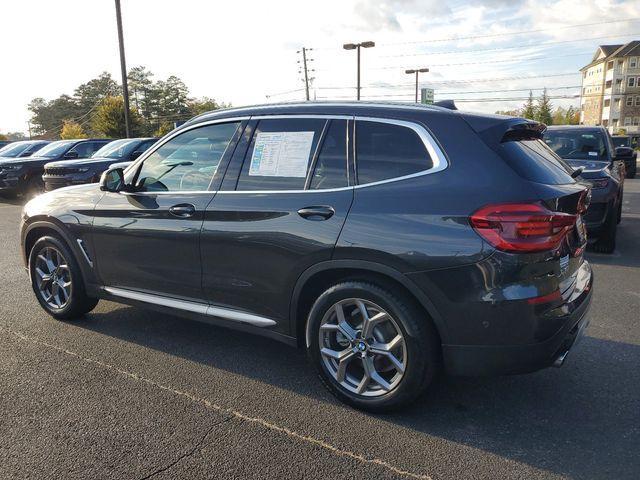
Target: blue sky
x: 242, y: 52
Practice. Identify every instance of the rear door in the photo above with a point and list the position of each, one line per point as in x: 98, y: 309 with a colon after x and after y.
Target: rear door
x: 283, y: 203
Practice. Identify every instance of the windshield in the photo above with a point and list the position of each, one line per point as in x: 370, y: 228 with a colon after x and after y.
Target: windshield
x: 117, y: 149
x: 55, y: 149
x: 13, y: 150
x: 577, y: 144
x: 621, y: 141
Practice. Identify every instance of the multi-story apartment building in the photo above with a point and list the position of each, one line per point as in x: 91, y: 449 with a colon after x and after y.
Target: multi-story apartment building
x: 610, y: 93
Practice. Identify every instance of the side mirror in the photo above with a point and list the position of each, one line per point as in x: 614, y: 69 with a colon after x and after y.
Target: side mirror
x: 71, y: 155
x: 112, y: 180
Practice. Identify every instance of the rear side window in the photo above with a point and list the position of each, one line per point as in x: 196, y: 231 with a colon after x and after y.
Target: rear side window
x: 386, y: 150
x: 534, y: 161
x: 280, y: 154
x: 331, y: 167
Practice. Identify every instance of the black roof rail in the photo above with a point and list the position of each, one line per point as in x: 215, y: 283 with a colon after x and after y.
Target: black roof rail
x: 449, y: 104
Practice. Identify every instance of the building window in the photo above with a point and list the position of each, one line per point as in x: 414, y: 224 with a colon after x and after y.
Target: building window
x: 627, y: 121
x: 631, y: 82
x: 616, y: 103
x: 607, y: 102
x: 614, y: 122
x: 629, y: 101
x: 638, y: 101
x: 636, y: 121
x: 633, y: 62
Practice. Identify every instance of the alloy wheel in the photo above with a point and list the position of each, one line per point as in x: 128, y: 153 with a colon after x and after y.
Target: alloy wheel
x: 362, y: 347
x: 53, y: 278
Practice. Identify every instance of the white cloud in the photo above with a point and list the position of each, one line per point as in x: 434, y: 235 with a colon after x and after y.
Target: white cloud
x: 241, y: 51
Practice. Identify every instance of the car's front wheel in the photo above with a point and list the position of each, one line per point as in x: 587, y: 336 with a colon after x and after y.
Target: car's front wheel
x: 56, y: 280
x: 374, y: 348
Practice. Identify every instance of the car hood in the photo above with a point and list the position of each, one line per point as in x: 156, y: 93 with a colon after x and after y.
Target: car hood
x: 80, y: 162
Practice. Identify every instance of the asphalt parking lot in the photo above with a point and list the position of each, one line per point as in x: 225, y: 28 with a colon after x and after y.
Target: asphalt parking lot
x: 132, y: 394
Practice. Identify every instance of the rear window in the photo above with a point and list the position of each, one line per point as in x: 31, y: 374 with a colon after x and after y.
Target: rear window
x: 534, y: 161
x: 385, y: 150
x: 577, y: 144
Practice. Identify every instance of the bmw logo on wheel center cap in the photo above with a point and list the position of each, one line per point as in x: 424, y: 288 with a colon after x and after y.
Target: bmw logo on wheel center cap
x: 361, y: 346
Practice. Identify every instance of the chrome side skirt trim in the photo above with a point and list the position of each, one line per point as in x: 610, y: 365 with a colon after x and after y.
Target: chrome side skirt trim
x: 195, y: 307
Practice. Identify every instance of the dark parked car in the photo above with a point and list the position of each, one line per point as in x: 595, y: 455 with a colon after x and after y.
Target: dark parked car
x: 88, y: 170
x: 21, y: 149
x: 354, y: 230
x: 626, y: 152
x: 591, y: 149
x: 24, y: 176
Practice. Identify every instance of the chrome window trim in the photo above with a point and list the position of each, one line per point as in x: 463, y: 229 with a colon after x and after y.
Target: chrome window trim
x: 438, y: 157
x: 177, y: 132
x: 195, y: 307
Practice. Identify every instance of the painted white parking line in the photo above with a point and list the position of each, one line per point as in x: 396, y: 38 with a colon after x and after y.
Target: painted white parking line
x: 220, y: 409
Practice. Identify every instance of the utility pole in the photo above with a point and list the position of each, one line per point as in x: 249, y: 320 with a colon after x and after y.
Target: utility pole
x: 306, y: 73
x: 356, y: 46
x: 123, y: 67
x: 306, y: 70
x: 29, y: 127
x: 417, y: 71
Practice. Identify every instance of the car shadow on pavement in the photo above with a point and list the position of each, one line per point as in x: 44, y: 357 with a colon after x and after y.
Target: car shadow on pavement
x: 581, y: 421
x: 627, y: 252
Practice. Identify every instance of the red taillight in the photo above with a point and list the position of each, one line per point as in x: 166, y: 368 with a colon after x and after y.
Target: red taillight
x: 522, y: 227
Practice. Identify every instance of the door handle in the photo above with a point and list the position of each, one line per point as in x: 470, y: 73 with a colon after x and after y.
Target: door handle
x: 183, y: 210
x: 316, y: 213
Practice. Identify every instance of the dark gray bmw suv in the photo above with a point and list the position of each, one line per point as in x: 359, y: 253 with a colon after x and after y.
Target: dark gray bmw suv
x: 388, y: 240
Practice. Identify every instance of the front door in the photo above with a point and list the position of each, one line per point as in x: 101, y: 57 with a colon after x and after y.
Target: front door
x: 283, y: 203
x: 148, y: 239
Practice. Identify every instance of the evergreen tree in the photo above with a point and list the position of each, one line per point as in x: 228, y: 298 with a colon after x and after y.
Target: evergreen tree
x: 108, y: 119
x: 544, y: 109
x: 529, y: 109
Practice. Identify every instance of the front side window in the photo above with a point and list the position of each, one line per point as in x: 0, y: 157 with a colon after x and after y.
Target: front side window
x: 386, y: 150
x: 86, y: 149
x: 188, y: 161
x: 280, y: 154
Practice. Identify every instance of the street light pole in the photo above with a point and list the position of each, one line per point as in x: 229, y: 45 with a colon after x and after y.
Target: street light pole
x: 417, y: 71
x: 123, y: 68
x: 357, y: 46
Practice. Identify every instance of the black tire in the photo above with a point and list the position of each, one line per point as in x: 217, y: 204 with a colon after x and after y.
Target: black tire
x: 606, y: 242
x: 420, y: 339
x: 78, y: 303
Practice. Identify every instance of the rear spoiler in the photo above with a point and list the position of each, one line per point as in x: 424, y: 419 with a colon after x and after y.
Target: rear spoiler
x: 496, y: 129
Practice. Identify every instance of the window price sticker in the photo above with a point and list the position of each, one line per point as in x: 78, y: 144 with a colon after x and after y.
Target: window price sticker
x: 281, y: 154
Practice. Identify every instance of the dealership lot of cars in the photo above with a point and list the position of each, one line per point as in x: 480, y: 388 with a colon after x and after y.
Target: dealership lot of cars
x: 129, y: 393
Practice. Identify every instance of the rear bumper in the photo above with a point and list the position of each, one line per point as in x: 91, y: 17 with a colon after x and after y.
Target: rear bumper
x: 480, y: 360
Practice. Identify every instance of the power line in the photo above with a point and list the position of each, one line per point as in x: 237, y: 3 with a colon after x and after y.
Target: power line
x: 507, y: 34
x: 512, y: 47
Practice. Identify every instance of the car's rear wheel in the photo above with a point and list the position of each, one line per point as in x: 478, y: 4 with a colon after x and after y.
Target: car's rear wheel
x: 56, y: 280
x: 373, y: 347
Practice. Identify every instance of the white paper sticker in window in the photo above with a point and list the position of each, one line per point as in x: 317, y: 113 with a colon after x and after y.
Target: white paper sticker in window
x: 281, y: 154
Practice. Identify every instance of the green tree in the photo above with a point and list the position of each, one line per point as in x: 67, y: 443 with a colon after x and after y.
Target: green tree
x: 108, y: 119
x: 49, y: 116
x: 163, y: 129
x: 72, y: 130
x: 529, y: 109
x: 89, y: 95
x: 140, y: 87
x: 3, y: 137
x: 198, y: 106
x: 544, y: 109
x: 572, y: 117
